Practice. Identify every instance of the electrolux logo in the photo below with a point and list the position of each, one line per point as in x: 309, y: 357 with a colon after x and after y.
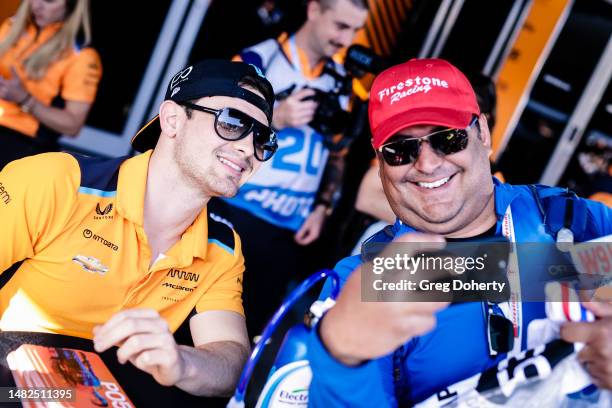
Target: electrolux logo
x: 5, y: 197
x: 104, y: 213
x: 87, y: 233
x: 298, y: 397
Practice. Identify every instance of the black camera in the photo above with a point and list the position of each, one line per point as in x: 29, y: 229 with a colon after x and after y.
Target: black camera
x: 330, y: 119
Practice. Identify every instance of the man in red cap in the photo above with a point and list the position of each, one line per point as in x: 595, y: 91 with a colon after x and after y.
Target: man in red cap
x: 433, y: 146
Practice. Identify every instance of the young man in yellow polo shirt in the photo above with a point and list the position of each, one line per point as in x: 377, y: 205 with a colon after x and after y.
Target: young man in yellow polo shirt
x: 123, y: 251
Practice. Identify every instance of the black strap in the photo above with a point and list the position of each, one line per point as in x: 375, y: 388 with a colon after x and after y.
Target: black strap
x: 401, y: 386
x: 561, y: 208
x: 6, y: 276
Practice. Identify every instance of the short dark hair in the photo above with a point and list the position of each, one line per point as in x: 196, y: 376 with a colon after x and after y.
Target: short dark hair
x: 327, y: 4
x: 486, y: 96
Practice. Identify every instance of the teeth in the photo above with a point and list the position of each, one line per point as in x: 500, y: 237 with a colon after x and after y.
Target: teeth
x: 435, y: 183
x: 229, y: 163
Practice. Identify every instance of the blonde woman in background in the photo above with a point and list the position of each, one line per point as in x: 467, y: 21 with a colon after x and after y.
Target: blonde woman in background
x: 48, y: 75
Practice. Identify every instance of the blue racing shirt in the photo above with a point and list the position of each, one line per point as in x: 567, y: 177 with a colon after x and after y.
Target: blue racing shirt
x: 457, y: 348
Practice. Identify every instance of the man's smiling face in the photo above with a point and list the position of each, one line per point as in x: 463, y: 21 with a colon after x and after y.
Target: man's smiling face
x: 437, y: 193
x: 336, y: 26
x: 217, y: 166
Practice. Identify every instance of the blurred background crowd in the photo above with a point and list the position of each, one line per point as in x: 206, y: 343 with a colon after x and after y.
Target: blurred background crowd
x: 89, y: 78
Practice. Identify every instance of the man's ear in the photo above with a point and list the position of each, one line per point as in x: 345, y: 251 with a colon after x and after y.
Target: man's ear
x: 485, y: 134
x: 379, y: 163
x: 313, y: 10
x: 171, y: 116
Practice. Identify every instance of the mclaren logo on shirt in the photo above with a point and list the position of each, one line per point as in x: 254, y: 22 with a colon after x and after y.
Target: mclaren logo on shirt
x: 178, y: 276
x: 104, y: 213
x: 177, y: 287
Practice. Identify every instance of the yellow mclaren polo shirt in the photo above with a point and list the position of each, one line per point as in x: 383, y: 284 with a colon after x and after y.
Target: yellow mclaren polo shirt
x: 77, y: 224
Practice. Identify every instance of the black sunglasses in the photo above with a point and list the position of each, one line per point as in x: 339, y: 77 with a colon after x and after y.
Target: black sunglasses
x: 406, y: 150
x: 500, y: 331
x: 232, y: 124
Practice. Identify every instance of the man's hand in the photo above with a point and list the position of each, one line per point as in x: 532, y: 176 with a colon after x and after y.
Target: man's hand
x: 596, y: 356
x: 293, y: 111
x: 354, y: 331
x: 12, y: 89
x: 144, y: 339
x: 311, y: 229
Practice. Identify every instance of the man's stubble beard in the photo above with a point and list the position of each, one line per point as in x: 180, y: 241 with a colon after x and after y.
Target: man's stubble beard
x: 415, y: 215
x: 221, y: 187
x: 473, y: 204
x: 204, y: 179
x: 434, y: 217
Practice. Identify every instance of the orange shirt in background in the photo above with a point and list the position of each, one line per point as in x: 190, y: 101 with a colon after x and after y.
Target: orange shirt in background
x: 74, y: 77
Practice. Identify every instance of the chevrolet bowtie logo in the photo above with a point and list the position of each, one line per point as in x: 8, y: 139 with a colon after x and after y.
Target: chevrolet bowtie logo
x: 104, y: 211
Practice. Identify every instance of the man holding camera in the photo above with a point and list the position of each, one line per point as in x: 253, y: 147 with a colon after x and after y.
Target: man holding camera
x: 284, y: 206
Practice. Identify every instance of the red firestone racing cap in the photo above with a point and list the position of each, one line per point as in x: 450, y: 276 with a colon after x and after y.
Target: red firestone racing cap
x: 420, y: 92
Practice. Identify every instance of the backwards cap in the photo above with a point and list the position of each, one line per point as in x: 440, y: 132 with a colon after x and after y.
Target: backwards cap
x: 211, y: 77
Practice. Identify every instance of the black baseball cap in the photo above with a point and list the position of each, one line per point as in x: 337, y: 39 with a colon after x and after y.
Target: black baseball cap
x: 210, y: 77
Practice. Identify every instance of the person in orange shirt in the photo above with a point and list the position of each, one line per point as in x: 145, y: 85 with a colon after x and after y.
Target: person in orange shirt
x: 126, y: 251
x: 47, y: 81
